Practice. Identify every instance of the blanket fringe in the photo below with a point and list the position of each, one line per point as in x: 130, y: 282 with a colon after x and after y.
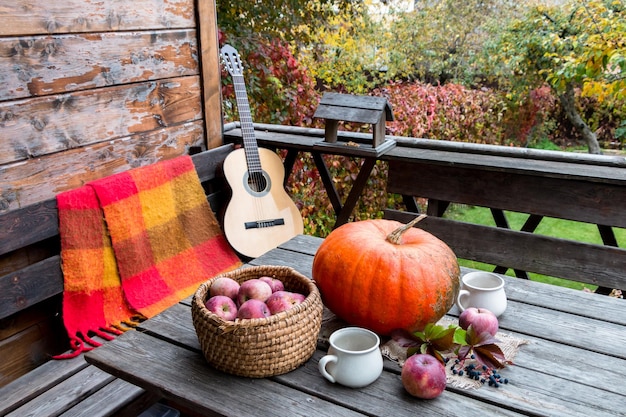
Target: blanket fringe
x: 77, y: 347
x: 130, y: 324
x: 80, y: 343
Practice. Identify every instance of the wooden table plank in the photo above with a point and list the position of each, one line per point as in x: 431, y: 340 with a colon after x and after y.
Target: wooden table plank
x: 386, y: 396
x: 609, y: 309
x: 394, y: 400
x: 183, y: 376
x: 540, y: 371
x: 585, y: 333
x: 529, y: 392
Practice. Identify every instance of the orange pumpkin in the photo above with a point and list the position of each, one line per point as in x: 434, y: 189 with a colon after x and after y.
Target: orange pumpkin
x: 383, y: 275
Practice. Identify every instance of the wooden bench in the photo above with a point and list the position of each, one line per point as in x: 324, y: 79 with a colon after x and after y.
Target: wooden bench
x: 70, y: 387
x: 90, y: 89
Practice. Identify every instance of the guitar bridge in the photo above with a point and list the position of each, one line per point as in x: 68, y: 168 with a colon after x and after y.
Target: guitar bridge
x: 264, y: 223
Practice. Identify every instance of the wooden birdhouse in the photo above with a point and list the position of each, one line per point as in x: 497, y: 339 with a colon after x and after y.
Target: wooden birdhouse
x: 335, y: 107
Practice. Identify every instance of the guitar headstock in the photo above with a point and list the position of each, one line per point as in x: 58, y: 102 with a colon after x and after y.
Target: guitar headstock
x: 231, y: 60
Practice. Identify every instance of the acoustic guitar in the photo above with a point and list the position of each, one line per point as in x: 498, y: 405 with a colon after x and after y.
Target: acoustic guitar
x: 260, y: 215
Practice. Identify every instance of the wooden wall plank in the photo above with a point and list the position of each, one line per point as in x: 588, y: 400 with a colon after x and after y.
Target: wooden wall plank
x: 44, y: 65
x: 20, y: 17
x: 211, y: 82
x: 45, y: 125
x: 39, y: 179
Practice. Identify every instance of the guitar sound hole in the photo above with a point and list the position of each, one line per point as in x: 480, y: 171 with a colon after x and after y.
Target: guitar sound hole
x: 257, y: 182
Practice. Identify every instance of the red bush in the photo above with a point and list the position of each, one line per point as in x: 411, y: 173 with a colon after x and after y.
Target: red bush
x: 450, y: 112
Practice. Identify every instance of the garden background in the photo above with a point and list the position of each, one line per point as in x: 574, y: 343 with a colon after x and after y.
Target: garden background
x: 549, y: 75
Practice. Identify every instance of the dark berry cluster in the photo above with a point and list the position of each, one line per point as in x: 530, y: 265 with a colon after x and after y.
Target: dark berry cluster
x: 483, y: 373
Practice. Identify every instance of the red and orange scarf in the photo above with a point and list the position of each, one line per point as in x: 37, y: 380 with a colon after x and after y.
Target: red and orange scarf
x: 132, y: 245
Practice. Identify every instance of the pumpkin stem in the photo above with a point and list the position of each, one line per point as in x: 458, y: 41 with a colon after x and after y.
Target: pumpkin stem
x: 395, y: 236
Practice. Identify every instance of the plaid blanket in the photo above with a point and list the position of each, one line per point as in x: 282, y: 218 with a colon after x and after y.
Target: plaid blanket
x: 133, y: 244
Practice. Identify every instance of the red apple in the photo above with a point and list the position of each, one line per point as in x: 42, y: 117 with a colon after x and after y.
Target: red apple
x: 275, y: 284
x: 253, y: 309
x: 224, y: 286
x: 283, y: 300
x: 423, y: 376
x: 253, y: 289
x: 223, y: 306
x: 481, y: 319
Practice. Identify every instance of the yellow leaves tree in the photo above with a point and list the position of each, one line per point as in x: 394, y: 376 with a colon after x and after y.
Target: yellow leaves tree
x: 578, y: 45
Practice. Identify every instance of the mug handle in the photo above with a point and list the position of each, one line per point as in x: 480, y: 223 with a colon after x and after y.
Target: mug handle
x: 322, y: 366
x: 462, y: 294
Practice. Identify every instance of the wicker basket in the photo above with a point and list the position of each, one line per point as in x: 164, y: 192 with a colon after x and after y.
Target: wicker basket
x: 262, y: 347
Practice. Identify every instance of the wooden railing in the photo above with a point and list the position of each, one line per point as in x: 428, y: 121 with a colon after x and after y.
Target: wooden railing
x: 572, y: 186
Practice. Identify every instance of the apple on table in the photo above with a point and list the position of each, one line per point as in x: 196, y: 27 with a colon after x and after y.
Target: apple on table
x: 423, y: 376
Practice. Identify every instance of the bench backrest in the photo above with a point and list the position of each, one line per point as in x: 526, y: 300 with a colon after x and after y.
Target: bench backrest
x: 583, y: 189
x: 37, y: 226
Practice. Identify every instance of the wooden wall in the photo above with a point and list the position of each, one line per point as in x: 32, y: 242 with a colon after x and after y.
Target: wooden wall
x: 88, y: 89
x: 94, y: 88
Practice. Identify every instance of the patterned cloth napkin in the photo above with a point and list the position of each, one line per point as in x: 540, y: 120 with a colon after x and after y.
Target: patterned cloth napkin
x: 508, y: 343
x: 132, y: 245
x: 390, y: 349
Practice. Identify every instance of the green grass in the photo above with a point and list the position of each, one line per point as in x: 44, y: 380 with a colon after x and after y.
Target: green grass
x: 566, y: 229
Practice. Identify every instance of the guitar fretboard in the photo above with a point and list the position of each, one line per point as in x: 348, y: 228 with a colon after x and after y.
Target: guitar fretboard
x: 247, y: 128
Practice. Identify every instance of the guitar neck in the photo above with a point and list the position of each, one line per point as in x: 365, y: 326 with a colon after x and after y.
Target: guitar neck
x: 247, y: 128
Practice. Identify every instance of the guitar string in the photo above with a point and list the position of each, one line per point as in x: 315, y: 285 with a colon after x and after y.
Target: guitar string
x: 253, y: 161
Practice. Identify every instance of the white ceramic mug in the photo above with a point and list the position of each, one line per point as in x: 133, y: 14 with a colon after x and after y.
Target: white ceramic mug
x: 482, y: 290
x: 353, y: 358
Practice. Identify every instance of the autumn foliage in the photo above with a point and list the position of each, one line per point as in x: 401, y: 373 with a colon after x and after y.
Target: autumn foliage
x: 283, y: 89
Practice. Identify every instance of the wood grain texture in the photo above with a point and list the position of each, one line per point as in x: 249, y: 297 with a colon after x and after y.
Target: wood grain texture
x: 224, y: 398
x: 40, y: 379
x: 44, y: 65
x: 583, y: 262
x: 45, y: 125
x: 66, y: 394
x: 30, y: 285
x: 535, y: 377
x: 40, y: 179
x: 118, y: 398
x: 573, y: 199
x: 19, y: 17
x: 35, y: 346
x: 211, y: 80
x: 28, y: 225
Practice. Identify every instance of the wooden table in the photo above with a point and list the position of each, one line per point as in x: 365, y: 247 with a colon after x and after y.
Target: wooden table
x: 573, y: 365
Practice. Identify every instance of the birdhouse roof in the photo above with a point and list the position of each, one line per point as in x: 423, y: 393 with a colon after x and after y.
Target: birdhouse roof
x: 353, y: 108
